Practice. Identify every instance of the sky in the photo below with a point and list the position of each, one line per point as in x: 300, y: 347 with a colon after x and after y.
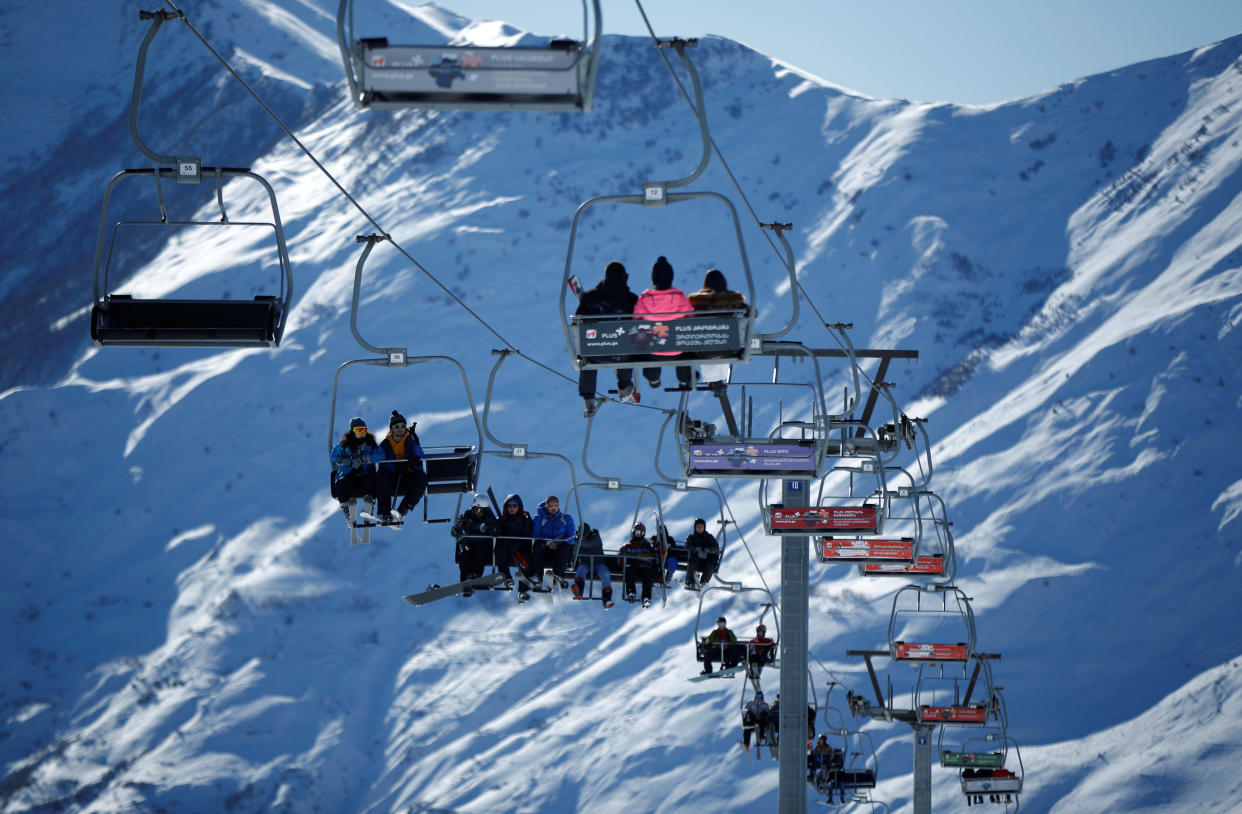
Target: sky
x: 962, y: 51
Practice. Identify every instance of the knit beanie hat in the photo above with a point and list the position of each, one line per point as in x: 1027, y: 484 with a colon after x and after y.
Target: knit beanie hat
x: 397, y: 418
x: 615, y: 271
x: 357, y: 422
x: 662, y: 274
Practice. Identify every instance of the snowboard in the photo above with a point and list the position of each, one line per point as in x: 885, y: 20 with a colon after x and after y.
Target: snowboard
x: 727, y: 673
x: 441, y: 591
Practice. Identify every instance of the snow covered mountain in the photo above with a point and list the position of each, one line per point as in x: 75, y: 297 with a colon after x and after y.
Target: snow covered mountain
x: 190, y: 630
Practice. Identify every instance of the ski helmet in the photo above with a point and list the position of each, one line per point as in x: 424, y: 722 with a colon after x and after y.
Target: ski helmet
x: 720, y: 620
x: 761, y: 629
x: 759, y: 695
x: 356, y: 423
x: 640, y: 527
x: 480, y: 502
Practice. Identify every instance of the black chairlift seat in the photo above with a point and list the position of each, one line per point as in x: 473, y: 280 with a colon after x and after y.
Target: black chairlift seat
x: 119, y: 319
x: 864, y: 779
x: 451, y: 470
x: 123, y: 320
x: 558, y: 77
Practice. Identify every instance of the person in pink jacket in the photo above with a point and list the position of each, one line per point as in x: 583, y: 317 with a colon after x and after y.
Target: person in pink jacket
x: 665, y: 303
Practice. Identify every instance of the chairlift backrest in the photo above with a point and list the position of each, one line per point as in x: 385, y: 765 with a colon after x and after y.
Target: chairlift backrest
x: 559, y: 76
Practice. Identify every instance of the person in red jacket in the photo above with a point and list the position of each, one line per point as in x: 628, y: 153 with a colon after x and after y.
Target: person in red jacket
x: 759, y: 651
x: 664, y: 303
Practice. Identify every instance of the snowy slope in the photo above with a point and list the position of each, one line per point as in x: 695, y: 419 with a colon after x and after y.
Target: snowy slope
x: 192, y: 632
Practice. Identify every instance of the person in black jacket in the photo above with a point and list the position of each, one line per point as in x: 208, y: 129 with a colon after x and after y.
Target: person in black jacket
x: 612, y: 296
x: 402, y: 472
x: 513, y: 545
x: 704, y: 555
x: 641, y: 563
x: 474, y: 530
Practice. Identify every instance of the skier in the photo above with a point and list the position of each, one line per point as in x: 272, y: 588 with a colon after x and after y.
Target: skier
x: 720, y: 642
x: 665, y: 303
x: 612, y: 296
x: 553, y: 530
x: 353, y: 460
x: 639, y: 559
x: 704, y: 555
x: 759, y: 651
x: 716, y: 296
x: 474, y: 531
x: 513, y: 547
x: 754, y: 719
x: 591, y: 561
x: 400, y: 477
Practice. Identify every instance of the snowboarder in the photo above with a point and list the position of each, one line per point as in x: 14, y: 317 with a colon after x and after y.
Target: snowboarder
x: 704, y: 555
x: 474, y: 531
x: 716, y: 296
x: 400, y: 477
x: 721, y: 643
x: 754, y: 719
x: 553, y: 531
x: 513, y: 545
x: 353, y: 460
x: 611, y: 297
x: 759, y: 651
x: 591, y: 561
x: 639, y: 562
x: 664, y: 303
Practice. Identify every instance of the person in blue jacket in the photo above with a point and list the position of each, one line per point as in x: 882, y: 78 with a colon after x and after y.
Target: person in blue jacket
x: 353, y: 467
x: 553, y: 531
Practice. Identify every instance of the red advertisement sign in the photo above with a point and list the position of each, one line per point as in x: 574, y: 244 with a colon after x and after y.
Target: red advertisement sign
x: 930, y: 652
x: 954, y: 715
x: 896, y: 551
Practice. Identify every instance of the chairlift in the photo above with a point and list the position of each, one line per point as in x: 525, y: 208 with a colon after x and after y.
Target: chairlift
x: 128, y: 321
x: 520, y: 452
x: 451, y: 469
x: 736, y: 452
x: 558, y: 76
x: 943, y: 606
x: 624, y: 340
x: 617, y: 562
x: 743, y: 651
x: 997, y: 772
x: 957, y: 698
x: 859, y: 508
x: 857, y: 772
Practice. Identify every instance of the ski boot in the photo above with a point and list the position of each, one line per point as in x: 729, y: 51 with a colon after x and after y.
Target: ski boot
x: 577, y: 589
x: 607, y: 598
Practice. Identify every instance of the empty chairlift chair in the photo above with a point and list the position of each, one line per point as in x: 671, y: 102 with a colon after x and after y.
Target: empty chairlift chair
x: 128, y: 320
